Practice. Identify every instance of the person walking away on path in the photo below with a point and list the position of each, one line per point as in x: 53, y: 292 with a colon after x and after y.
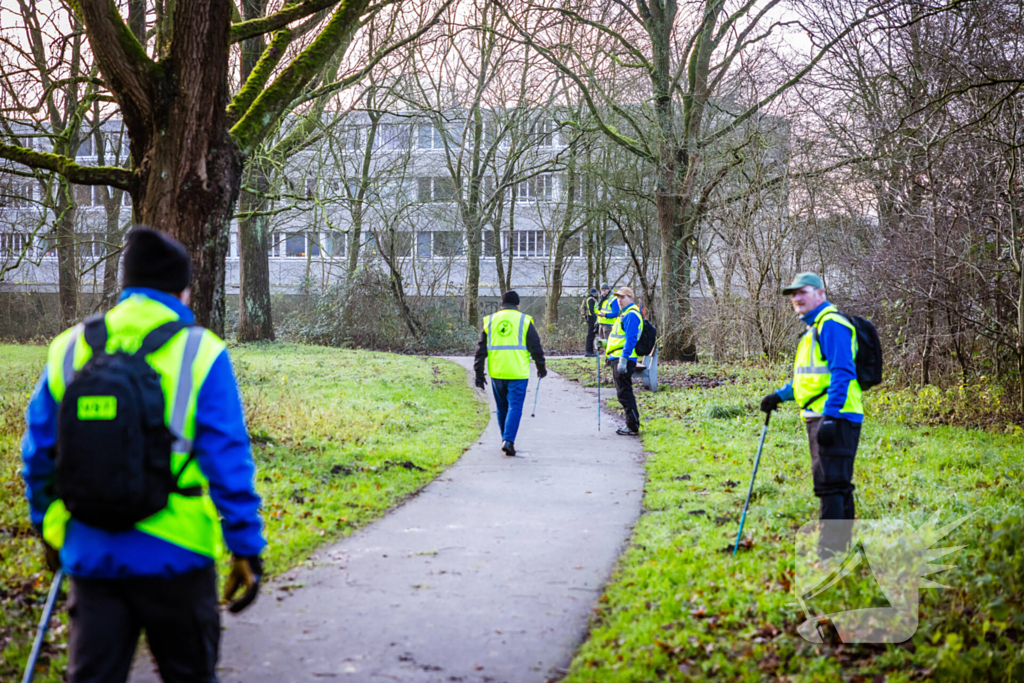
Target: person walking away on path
x: 605, y: 319
x: 508, y: 341
x: 621, y: 355
x: 143, y: 566
x: 590, y: 313
x: 825, y: 387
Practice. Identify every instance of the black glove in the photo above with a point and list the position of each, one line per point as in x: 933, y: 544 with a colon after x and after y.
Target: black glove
x: 542, y: 372
x: 827, y: 432
x: 770, y: 402
x: 247, y: 573
x: 480, y: 382
x: 51, y: 556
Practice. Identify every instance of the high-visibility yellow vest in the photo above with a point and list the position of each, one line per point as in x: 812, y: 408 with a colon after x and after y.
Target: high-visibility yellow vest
x: 604, y: 313
x: 507, y: 357
x: 183, y: 364
x: 617, y: 337
x: 811, y: 375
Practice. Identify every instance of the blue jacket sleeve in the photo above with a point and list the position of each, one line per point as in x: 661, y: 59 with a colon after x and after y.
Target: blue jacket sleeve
x: 786, y: 392
x: 221, y: 447
x: 631, y: 326
x: 39, y: 463
x: 615, y: 308
x: 837, y: 345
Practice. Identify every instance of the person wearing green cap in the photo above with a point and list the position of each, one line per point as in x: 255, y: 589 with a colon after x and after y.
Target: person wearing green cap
x: 825, y: 387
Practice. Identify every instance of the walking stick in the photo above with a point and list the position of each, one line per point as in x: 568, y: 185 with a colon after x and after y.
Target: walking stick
x: 44, y: 624
x: 746, y: 505
x: 535, y: 395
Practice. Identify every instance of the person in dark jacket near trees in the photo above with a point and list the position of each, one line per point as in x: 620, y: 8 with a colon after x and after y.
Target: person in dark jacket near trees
x: 157, y: 575
x: 622, y: 358
x: 508, y: 340
x: 825, y: 388
x: 591, y: 316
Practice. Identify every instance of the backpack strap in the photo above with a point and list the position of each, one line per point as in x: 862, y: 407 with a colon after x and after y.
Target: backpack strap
x: 159, y: 336
x: 95, y: 333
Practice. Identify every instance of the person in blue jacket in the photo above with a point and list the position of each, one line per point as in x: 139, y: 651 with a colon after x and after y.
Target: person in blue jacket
x: 825, y: 389
x: 159, y: 575
x: 621, y: 355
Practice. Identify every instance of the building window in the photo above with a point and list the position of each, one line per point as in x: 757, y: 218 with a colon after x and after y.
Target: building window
x: 429, y: 137
x: 539, y: 188
x: 397, y: 243
x: 423, y: 245
x: 544, y: 132
x: 448, y: 243
x: 92, y: 245
x: 436, y: 189
x: 529, y: 243
x: 335, y: 243
x: 13, y: 243
x: 46, y: 246
x: 489, y: 246
x: 615, y: 244
x: 274, y: 242
x: 392, y: 136
x: 295, y: 244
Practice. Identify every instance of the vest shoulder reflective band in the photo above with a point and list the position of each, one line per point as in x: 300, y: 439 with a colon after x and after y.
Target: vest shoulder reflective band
x: 617, y: 337
x: 604, y: 313
x: 811, y: 375
x: 183, y: 365
x: 507, y: 357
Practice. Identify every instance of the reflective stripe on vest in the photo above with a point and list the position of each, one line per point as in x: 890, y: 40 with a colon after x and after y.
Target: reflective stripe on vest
x: 507, y: 356
x: 811, y: 375
x: 617, y: 337
x: 604, y: 313
x: 183, y: 364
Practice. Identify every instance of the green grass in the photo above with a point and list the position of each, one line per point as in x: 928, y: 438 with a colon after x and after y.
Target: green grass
x: 339, y: 437
x: 679, y: 608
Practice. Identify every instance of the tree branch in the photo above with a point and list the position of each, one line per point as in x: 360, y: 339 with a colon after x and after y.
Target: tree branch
x: 278, y: 20
x: 82, y: 175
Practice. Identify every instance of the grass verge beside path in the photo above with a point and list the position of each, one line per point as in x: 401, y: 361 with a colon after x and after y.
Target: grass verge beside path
x: 339, y: 437
x: 679, y: 608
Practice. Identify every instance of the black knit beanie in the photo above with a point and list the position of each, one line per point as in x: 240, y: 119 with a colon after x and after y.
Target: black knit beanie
x: 153, y: 259
x: 510, y: 298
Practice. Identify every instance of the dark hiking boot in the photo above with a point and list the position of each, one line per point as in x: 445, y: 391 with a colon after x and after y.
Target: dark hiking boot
x: 508, y: 447
x: 626, y: 431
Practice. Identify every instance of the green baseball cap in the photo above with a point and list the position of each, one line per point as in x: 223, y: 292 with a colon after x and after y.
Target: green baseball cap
x: 802, y: 280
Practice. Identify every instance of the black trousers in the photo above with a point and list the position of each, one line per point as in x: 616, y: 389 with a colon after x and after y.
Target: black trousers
x: 624, y: 392
x: 832, y: 472
x: 591, y: 333
x: 179, y: 615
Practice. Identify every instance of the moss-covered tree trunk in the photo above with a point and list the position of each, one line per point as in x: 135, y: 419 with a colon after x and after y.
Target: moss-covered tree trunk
x: 67, y: 257
x: 255, y: 320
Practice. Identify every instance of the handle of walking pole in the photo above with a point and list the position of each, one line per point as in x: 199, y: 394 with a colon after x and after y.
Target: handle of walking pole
x: 44, y: 623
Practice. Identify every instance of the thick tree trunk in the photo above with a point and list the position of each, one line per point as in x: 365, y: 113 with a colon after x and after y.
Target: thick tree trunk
x: 474, y: 239
x: 67, y: 252
x: 189, y: 168
x: 255, y: 320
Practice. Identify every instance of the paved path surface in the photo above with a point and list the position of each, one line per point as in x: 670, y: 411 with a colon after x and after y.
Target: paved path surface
x: 487, y: 575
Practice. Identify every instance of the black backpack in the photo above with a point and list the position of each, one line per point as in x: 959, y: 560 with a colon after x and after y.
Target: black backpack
x: 648, y: 338
x: 113, y: 444
x: 869, y: 351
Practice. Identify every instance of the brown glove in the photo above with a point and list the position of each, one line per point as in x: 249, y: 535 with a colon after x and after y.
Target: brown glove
x: 246, y: 573
x: 51, y: 556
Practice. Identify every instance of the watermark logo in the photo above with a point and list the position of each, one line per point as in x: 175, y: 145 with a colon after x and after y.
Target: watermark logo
x: 865, y: 576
